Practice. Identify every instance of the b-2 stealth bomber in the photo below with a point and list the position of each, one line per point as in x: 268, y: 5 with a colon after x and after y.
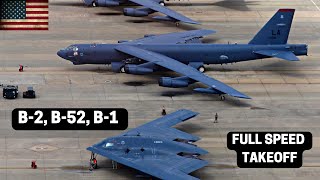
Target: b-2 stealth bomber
x: 149, y: 7
x: 185, y: 54
x: 155, y: 148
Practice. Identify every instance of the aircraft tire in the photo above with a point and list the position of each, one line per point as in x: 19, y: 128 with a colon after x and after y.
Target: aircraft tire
x: 94, y: 4
x: 122, y: 69
x: 202, y: 69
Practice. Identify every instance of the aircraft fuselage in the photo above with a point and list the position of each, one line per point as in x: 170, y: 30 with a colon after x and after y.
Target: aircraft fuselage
x: 185, y: 53
x: 138, y: 146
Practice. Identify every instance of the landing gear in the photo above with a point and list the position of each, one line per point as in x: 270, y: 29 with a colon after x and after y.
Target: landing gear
x: 222, y: 97
x: 94, y: 4
x: 162, y: 3
x: 202, y: 69
x: 93, y: 162
x: 122, y: 69
x: 177, y: 24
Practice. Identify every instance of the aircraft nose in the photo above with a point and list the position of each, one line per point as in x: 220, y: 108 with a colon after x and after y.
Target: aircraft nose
x: 61, y: 54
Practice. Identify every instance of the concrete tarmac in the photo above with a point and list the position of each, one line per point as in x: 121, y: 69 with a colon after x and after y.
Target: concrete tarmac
x: 286, y: 95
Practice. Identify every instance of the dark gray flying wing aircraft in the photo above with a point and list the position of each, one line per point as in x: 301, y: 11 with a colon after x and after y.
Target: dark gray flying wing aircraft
x: 185, y: 54
x: 150, y: 6
x: 156, y: 148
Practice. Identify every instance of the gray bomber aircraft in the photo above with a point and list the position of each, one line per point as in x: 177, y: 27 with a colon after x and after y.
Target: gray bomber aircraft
x: 155, y: 148
x: 149, y: 7
x: 185, y: 54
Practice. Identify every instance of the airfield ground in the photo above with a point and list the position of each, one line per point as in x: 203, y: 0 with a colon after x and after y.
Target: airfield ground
x: 286, y: 95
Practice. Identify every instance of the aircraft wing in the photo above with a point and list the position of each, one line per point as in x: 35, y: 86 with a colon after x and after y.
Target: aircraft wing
x: 162, y: 126
x: 163, y: 166
x: 174, y: 65
x: 157, y: 7
x: 174, y: 38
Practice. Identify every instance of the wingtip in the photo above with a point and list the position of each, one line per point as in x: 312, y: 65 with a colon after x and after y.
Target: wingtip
x: 90, y: 148
x: 192, y: 22
x: 187, y: 110
x: 210, y: 31
x: 242, y: 96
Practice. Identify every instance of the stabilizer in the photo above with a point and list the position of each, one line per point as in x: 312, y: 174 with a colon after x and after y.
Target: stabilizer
x: 285, y: 55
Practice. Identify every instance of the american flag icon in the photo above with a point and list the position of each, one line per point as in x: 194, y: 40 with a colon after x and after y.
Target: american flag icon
x: 24, y: 15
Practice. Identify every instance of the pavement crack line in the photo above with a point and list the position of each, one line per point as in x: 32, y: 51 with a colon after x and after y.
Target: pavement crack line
x: 315, y: 5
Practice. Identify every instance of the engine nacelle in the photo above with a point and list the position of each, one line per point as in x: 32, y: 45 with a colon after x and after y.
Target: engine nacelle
x: 173, y: 82
x: 123, y: 41
x: 116, y: 66
x: 149, y: 35
x: 105, y: 3
x: 135, y: 69
x: 135, y: 12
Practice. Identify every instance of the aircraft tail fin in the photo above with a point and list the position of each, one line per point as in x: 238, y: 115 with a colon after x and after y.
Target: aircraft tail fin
x: 277, y: 29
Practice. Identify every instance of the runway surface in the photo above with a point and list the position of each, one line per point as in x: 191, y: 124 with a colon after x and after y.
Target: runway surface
x: 286, y: 95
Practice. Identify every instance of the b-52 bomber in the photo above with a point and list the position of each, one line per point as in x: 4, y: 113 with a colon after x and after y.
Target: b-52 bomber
x: 155, y: 148
x: 149, y: 7
x: 184, y: 53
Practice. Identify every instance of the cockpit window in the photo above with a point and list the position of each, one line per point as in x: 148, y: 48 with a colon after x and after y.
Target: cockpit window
x: 72, y: 48
x: 108, y: 145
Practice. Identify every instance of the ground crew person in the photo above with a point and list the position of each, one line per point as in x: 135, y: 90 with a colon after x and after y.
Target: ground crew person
x: 33, y: 165
x: 216, y: 118
x: 163, y: 111
x: 20, y: 68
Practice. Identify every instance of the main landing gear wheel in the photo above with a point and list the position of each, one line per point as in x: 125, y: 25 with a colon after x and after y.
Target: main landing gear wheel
x: 202, y: 69
x: 222, y: 97
x: 122, y: 69
x: 162, y: 3
x: 94, y: 4
x: 93, y: 162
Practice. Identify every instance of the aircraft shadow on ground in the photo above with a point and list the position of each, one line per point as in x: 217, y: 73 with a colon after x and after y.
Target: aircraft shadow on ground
x: 278, y: 68
x: 210, y: 40
x: 139, y: 21
x: 239, y: 5
x: 190, y: 128
x: 78, y: 4
x: 108, y: 14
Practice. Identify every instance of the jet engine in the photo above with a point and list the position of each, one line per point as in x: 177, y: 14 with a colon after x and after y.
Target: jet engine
x: 105, y: 3
x: 136, y: 69
x: 174, y: 82
x: 135, y: 12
